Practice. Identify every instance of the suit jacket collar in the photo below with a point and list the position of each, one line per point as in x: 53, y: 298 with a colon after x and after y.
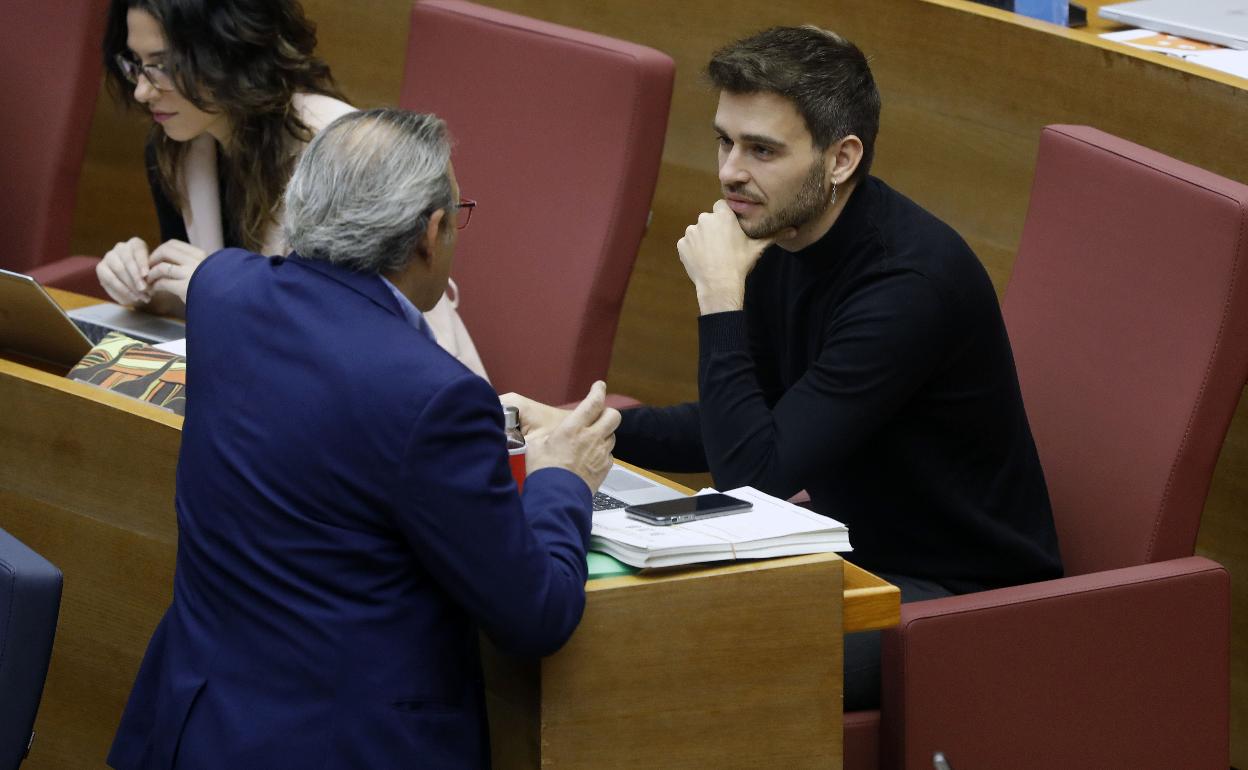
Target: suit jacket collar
x: 368, y: 284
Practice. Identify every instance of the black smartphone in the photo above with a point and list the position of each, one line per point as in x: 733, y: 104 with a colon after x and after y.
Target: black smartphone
x: 667, y: 512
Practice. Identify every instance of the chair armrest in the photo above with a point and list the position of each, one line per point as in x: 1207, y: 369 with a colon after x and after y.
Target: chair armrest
x: 1123, y: 668
x: 76, y: 274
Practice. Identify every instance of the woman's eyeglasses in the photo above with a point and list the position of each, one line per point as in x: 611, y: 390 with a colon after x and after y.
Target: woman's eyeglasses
x: 156, y: 74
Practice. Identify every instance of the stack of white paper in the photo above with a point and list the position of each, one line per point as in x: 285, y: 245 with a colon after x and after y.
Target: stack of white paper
x: 774, y: 527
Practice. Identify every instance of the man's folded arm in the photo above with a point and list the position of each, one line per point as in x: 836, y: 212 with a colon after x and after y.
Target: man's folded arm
x: 518, y: 568
x: 666, y: 438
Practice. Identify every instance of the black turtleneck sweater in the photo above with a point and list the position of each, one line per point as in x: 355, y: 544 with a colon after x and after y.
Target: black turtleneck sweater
x: 871, y: 369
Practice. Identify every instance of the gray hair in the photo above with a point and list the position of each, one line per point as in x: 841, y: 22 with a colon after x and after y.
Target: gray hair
x: 362, y: 194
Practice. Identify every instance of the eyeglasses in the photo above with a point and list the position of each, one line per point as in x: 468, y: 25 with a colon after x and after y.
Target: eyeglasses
x: 156, y: 74
x: 463, y: 213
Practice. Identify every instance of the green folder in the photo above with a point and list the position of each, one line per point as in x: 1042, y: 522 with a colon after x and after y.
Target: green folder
x: 601, y: 566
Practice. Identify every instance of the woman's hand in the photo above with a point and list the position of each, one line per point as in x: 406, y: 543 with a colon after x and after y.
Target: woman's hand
x: 155, y: 282
x: 169, y: 272
x: 123, y: 272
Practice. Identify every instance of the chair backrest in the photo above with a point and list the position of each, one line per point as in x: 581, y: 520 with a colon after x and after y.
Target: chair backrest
x: 558, y: 135
x: 30, y: 600
x: 1128, y: 314
x: 50, y: 57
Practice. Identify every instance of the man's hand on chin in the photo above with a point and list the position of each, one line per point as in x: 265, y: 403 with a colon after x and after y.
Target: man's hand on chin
x: 718, y: 255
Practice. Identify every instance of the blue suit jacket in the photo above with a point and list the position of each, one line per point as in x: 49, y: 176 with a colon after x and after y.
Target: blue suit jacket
x: 347, y: 521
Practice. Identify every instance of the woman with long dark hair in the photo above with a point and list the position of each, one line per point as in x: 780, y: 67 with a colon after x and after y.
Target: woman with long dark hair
x: 235, y: 93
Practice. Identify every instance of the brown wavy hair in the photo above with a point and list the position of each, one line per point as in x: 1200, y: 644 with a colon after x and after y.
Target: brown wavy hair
x: 243, y: 58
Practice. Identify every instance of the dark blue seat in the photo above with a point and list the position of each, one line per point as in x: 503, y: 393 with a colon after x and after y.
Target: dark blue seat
x: 30, y: 600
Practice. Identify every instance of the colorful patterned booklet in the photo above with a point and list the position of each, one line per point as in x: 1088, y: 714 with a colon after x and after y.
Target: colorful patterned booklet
x: 127, y: 366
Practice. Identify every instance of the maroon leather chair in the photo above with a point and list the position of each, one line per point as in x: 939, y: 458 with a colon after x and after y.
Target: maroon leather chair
x: 558, y: 135
x: 30, y: 600
x: 50, y: 57
x: 1128, y: 313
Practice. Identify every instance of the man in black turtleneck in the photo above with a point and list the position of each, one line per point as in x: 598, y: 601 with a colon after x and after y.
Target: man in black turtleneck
x: 851, y: 344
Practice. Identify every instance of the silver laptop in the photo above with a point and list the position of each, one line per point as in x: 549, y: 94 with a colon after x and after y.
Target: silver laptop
x: 32, y: 323
x: 1224, y: 22
x: 623, y: 487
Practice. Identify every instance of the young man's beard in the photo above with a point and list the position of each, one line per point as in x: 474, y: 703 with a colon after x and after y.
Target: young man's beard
x: 811, y: 200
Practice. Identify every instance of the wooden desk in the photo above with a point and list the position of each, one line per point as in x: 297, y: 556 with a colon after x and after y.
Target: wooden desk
x: 740, y: 661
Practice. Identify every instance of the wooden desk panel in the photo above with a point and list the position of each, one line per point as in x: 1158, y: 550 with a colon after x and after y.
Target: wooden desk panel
x: 117, y: 585
x: 86, y: 480
x: 684, y: 669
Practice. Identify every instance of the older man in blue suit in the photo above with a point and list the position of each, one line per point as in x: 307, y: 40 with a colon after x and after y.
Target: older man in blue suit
x: 347, y: 516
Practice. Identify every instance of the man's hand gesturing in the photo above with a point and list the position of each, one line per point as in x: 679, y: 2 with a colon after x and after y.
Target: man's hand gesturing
x: 581, y: 443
